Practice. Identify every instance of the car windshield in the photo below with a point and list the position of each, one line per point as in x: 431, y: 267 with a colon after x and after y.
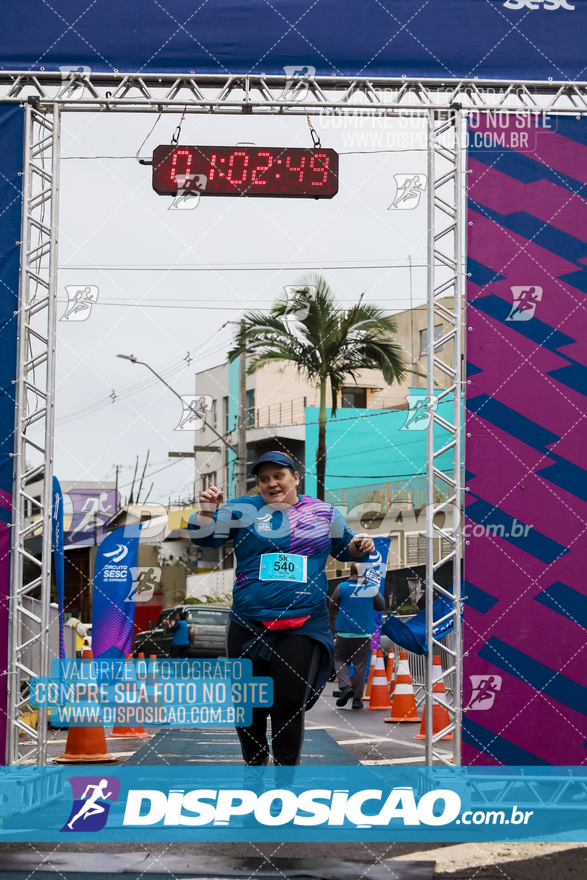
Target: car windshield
x: 207, y: 616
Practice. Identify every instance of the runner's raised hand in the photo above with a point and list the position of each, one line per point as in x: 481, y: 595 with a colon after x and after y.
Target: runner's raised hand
x: 209, y: 500
x: 361, y: 544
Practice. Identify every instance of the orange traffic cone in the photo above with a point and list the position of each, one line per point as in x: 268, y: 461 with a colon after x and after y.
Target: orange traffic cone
x: 138, y: 731
x: 440, y: 716
x: 379, y: 688
x: 404, y: 703
x: 390, y: 669
x: 367, y: 693
x: 85, y: 745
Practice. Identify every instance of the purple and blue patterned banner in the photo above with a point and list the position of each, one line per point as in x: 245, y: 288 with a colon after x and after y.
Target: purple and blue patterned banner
x: 525, y: 667
x: 11, y: 152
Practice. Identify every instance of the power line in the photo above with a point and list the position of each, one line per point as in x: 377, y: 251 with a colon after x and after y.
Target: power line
x: 340, y: 153
x: 224, y: 267
x: 131, y: 390
x: 142, y: 305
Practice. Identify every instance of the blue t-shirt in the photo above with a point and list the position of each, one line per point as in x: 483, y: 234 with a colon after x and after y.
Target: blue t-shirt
x: 356, y: 608
x: 181, y: 635
x: 310, y: 528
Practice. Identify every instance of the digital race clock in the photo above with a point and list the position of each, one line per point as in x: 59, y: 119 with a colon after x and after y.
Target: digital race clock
x: 246, y: 171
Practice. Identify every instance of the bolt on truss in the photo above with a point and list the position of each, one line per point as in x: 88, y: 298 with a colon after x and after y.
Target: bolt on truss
x: 260, y: 93
x: 33, y: 451
x: 445, y: 281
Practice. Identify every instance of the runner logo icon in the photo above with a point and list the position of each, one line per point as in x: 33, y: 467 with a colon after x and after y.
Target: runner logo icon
x: 525, y: 299
x: 90, y: 805
x: 409, y: 188
x: 418, y: 415
x: 145, y: 581
x: 80, y: 299
x: 485, y: 687
x: 193, y: 416
x: 297, y: 77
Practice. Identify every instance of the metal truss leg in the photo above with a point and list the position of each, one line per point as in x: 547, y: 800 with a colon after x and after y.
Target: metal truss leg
x: 33, y: 449
x: 445, y: 294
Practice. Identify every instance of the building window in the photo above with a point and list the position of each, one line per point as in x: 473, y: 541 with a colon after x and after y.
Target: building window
x: 355, y: 397
x: 424, y: 339
x: 415, y: 549
x: 251, y: 458
x: 250, y: 408
x: 225, y: 414
x: 214, y: 415
x: 208, y: 480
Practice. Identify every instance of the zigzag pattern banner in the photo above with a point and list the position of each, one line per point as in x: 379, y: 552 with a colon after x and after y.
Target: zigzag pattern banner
x: 525, y: 666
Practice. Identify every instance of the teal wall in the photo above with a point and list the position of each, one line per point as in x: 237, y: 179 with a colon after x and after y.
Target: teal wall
x: 365, y: 446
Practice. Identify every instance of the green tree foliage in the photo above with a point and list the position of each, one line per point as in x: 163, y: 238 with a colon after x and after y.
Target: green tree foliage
x: 326, y: 342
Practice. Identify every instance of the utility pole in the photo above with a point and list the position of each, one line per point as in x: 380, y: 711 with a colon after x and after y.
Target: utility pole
x: 241, y: 464
x: 117, y: 468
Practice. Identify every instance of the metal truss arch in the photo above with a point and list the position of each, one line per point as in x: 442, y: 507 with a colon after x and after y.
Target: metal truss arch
x: 260, y: 93
x: 34, y: 425
x: 446, y: 189
x: 445, y: 104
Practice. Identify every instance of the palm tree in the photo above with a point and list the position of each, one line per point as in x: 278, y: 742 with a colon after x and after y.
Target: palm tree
x: 326, y: 342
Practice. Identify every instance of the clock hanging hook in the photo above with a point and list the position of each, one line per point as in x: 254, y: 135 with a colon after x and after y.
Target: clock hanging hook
x: 177, y: 133
x: 314, y: 134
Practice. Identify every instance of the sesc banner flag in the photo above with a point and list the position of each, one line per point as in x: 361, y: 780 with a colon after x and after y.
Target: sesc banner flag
x: 58, y: 557
x: 411, y: 634
x: 113, y: 612
x: 375, y: 570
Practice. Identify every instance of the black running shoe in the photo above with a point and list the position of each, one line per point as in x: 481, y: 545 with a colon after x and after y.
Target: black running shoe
x: 345, y: 695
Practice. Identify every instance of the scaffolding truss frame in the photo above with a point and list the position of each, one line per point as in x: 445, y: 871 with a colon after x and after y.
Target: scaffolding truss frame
x: 445, y: 277
x: 35, y: 393
x: 446, y: 104
x: 259, y: 93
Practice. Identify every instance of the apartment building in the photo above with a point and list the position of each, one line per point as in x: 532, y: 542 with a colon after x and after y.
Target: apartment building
x: 278, y: 398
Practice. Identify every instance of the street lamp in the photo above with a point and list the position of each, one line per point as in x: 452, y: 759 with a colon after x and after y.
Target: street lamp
x: 134, y: 360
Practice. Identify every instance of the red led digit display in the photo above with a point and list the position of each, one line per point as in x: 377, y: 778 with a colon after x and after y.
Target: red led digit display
x: 248, y: 171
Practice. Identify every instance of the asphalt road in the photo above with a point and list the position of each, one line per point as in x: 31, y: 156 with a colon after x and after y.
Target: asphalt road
x: 366, y: 736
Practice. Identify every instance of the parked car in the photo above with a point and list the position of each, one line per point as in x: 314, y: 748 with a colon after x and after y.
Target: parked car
x: 206, y: 626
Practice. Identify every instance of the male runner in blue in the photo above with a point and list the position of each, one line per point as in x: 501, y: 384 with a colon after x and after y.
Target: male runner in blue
x: 279, y: 618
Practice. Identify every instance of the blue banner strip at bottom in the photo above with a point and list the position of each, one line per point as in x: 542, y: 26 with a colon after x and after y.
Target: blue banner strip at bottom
x: 318, y: 803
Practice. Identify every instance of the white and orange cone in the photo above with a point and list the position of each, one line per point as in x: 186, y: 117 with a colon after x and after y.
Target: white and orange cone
x: 138, y: 731
x: 85, y: 745
x: 440, y: 716
x: 367, y: 693
x: 404, y: 702
x: 390, y: 670
x: 379, y: 688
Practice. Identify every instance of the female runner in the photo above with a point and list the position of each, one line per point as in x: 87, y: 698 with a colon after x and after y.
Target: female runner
x: 279, y: 617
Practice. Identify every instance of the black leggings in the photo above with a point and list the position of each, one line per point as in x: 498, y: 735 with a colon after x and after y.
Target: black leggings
x: 294, y: 663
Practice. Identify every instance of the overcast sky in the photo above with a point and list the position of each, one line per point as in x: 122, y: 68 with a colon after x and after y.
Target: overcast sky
x: 117, y: 234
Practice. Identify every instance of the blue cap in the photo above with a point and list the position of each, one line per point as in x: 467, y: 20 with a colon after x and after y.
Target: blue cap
x: 275, y: 458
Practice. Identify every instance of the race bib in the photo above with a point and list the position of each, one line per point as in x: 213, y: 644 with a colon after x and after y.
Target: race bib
x: 283, y: 567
